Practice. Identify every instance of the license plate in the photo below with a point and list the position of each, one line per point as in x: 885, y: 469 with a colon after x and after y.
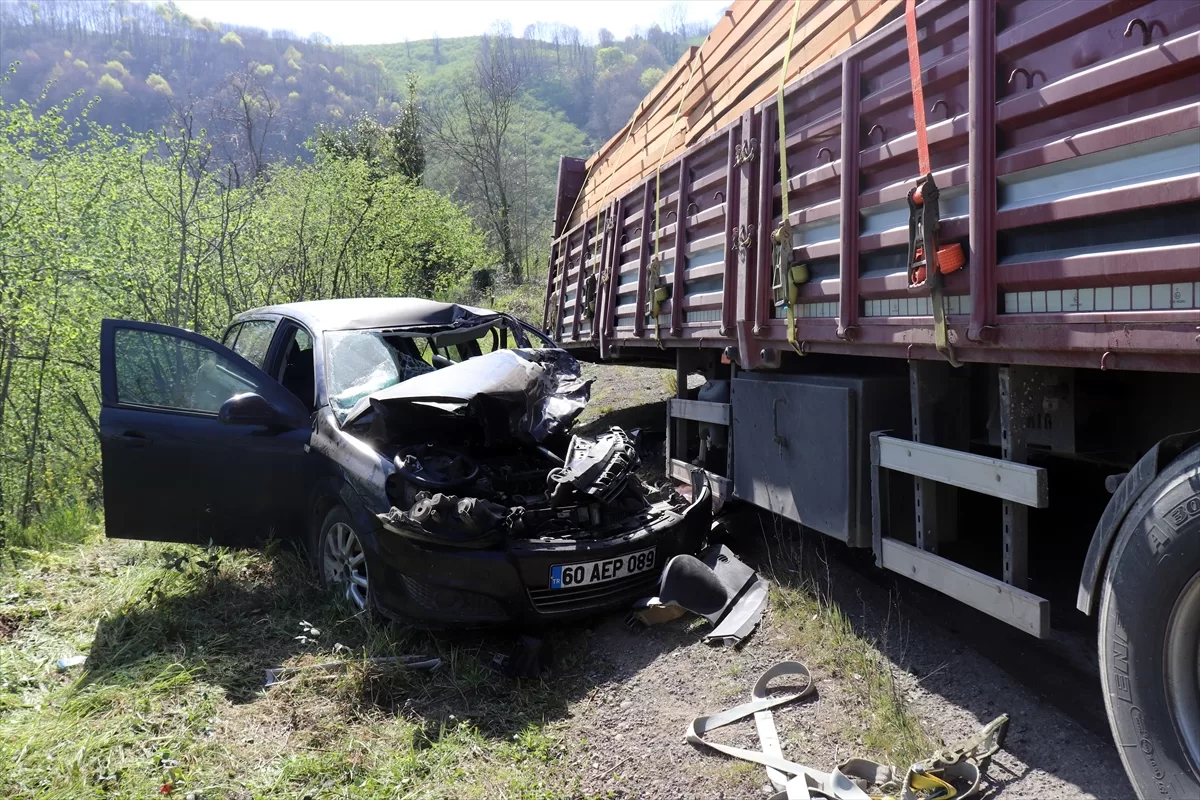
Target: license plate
x: 567, y: 576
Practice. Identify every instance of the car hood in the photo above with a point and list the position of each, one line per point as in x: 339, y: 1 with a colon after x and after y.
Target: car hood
x: 545, y: 383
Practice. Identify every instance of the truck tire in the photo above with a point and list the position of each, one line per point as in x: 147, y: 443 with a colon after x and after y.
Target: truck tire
x: 1150, y: 635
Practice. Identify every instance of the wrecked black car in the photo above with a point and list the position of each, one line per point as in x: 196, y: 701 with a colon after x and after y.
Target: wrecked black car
x: 420, y: 452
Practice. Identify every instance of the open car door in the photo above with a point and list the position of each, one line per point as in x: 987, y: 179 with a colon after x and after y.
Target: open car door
x: 198, y: 444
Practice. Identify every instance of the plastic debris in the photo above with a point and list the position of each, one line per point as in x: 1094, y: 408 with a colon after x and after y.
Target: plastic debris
x: 66, y: 662
x: 720, y: 587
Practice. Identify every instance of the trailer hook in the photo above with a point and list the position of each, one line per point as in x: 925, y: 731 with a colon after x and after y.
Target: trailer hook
x: 1021, y: 71
x: 825, y: 150
x: 1141, y: 23
x: 949, y: 113
x: 882, y: 134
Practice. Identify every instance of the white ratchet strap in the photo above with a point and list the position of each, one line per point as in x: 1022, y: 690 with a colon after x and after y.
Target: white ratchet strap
x: 794, y: 781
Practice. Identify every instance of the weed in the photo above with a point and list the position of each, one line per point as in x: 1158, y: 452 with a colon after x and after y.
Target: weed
x: 819, y: 627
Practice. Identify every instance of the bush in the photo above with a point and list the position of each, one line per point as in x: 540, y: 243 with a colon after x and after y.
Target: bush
x: 159, y: 84
x: 110, y: 84
x: 232, y: 38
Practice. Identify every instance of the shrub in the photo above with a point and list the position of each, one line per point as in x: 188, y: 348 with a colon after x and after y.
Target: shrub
x: 233, y: 39
x: 110, y: 84
x: 159, y: 84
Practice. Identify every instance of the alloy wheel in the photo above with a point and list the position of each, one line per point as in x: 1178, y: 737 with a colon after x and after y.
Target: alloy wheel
x: 345, y: 564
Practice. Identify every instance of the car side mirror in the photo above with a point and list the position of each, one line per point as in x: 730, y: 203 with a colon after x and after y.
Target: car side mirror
x: 249, y: 408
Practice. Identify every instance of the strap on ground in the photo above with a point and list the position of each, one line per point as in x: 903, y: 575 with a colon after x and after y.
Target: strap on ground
x: 927, y: 261
x: 952, y: 772
x: 786, y: 277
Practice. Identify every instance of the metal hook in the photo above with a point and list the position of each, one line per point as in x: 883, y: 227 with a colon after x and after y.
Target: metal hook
x: 825, y: 150
x: 1141, y: 23
x: 719, y: 194
x: 1104, y: 360
x: 941, y: 103
x: 672, y: 214
x: 882, y: 134
x: 690, y: 206
x: 1022, y: 71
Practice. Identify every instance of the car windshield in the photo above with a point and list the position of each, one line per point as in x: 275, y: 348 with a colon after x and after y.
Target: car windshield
x: 362, y: 362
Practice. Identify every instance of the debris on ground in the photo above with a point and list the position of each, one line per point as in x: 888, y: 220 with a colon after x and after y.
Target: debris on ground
x: 278, y: 675
x: 67, y: 662
x: 529, y: 658
x: 950, y: 772
x: 725, y: 591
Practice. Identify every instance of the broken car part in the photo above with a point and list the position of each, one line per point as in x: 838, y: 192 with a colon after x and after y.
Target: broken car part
x: 950, y: 772
x: 720, y: 588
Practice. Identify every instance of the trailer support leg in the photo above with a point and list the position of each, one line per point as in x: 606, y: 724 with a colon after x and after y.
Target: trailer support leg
x: 1020, y: 396
x: 938, y: 395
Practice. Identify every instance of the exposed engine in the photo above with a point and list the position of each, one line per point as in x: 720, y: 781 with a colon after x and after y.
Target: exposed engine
x: 451, y: 495
x: 497, y: 460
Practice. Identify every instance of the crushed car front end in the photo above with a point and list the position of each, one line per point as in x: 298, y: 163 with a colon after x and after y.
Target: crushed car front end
x: 498, y: 514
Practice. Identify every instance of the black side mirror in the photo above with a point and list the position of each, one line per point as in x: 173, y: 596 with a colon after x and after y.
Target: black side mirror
x: 249, y: 408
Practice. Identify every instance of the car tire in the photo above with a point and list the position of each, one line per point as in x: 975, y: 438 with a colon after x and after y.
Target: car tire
x: 1150, y: 635
x: 342, y: 561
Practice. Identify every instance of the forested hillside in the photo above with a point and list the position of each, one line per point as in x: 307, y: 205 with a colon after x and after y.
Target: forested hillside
x: 260, y: 95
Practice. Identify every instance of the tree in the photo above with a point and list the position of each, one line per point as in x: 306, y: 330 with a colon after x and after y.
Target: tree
x: 473, y: 130
x: 386, y: 149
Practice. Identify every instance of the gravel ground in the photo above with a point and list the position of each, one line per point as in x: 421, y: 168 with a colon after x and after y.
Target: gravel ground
x: 649, y: 685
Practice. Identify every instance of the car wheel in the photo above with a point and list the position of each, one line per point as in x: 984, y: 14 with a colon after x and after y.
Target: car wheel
x: 343, y: 559
x: 1150, y: 635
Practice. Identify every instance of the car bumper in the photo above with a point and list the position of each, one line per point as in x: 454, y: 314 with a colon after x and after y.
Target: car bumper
x: 454, y: 587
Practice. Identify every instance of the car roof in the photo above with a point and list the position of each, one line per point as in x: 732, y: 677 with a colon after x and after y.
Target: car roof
x: 372, y: 312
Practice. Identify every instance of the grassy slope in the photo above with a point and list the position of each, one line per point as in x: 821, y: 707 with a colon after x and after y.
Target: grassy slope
x: 172, y: 689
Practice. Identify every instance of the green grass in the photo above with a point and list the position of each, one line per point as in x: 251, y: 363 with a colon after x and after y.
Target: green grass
x: 817, y: 626
x: 172, y: 688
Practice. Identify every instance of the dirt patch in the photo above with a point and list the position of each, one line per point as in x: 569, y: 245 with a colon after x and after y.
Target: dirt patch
x: 650, y: 685
x: 9, y: 625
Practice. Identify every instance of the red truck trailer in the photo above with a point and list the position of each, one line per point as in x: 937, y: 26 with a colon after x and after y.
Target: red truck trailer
x: 1051, y: 427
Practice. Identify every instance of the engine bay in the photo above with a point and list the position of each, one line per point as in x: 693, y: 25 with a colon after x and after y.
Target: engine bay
x: 483, y: 453
x: 477, y: 496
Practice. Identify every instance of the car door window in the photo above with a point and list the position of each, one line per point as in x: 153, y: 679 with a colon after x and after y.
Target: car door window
x: 158, y: 370
x: 253, y: 340
x: 296, y: 371
x: 231, y: 335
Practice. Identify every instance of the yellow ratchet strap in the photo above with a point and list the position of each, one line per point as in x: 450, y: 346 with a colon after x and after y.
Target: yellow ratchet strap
x: 656, y: 294
x: 787, y: 276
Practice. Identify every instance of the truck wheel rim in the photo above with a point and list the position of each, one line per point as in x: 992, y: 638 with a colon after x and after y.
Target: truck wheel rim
x: 1183, y: 669
x: 345, y: 564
